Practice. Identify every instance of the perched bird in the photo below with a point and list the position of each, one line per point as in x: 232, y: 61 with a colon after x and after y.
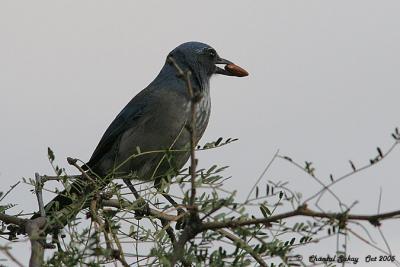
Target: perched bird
x: 155, y: 121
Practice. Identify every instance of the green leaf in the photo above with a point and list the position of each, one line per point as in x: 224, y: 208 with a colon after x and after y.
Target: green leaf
x: 265, y: 211
x: 218, y: 141
x: 210, y: 170
x: 50, y: 154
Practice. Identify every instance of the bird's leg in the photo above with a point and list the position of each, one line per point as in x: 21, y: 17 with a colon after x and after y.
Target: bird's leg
x: 132, y: 188
x: 157, y: 185
x: 144, y: 210
x: 56, y: 240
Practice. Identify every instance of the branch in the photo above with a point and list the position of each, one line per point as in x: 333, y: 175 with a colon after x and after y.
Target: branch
x: 39, y: 195
x: 301, y: 211
x: 115, y: 203
x: 9, y: 219
x: 34, y: 229
x: 73, y: 162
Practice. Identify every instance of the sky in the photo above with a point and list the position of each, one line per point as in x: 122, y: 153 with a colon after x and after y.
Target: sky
x: 323, y: 87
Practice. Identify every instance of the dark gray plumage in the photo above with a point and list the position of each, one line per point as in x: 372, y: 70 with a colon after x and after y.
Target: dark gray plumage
x: 155, y: 120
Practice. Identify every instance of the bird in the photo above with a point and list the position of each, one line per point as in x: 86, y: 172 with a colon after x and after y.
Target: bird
x: 154, y: 121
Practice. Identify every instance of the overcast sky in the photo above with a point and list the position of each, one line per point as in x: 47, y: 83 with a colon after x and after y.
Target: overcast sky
x: 323, y: 87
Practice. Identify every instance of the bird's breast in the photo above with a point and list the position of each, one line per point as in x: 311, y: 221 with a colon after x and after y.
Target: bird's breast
x: 203, y: 111
x: 202, y: 114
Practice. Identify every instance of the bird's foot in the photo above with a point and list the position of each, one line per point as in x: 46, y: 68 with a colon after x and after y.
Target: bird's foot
x: 143, y: 209
x: 181, y: 222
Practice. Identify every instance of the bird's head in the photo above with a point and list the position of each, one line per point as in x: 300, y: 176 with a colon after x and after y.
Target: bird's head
x: 202, y: 59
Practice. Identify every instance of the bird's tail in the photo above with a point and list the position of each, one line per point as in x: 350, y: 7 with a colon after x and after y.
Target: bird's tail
x: 67, y: 203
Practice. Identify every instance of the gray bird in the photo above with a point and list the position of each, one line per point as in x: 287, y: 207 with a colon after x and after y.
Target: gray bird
x: 153, y: 122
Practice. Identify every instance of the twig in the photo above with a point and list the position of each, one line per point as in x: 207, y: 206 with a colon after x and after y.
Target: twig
x: 353, y: 172
x: 151, y: 152
x: 372, y: 245
x: 39, y: 195
x: 96, y: 219
x: 384, y: 240
x: 164, y: 222
x: 6, y: 251
x: 9, y: 190
x: 379, y: 228
x: 46, y: 178
x: 172, y: 61
x: 191, y: 228
x: 126, y: 204
x: 116, y: 254
x: 244, y: 246
x: 193, y: 163
x: 325, y: 187
x: 365, y: 230
x: 193, y: 105
x: 219, y: 205
x: 119, y: 254
x: 73, y: 162
x: 262, y: 175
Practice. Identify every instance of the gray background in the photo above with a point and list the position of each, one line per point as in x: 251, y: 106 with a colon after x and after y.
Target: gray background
x: 323, y: 87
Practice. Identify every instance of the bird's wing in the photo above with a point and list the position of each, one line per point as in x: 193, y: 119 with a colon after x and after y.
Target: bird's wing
x: 127, y: 118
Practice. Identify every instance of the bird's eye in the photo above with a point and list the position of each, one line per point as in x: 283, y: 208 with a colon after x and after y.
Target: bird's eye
x: 211, y: 52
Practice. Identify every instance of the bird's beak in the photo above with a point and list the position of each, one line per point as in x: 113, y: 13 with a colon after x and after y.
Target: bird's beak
x: 230, y: 69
